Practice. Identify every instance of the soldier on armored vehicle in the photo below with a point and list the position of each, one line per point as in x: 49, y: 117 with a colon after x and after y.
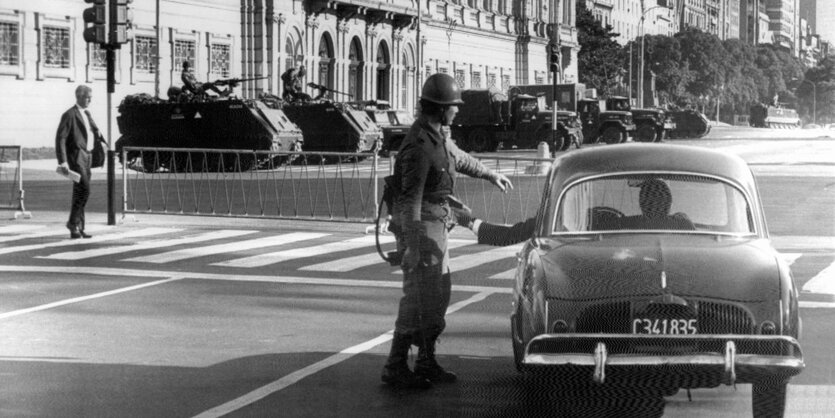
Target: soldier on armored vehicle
x: 190, y: 83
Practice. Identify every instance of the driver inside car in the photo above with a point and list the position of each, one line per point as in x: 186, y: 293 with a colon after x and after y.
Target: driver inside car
x: 655, y: 201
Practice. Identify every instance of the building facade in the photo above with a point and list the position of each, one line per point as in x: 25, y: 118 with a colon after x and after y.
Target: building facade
x: 362, y: 49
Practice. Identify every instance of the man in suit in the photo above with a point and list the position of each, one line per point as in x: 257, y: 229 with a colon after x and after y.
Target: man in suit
x: 79, y: 147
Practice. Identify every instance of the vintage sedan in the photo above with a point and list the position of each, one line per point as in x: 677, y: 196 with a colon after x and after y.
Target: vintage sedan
x: 651, y: 265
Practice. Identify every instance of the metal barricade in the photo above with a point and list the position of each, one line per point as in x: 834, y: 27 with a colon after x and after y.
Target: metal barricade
x: 302, y: 185
x: 241, y: 183
x: 11, y: 180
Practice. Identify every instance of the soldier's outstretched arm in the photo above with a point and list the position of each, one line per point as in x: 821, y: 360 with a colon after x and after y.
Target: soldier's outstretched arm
x: 469, y: 165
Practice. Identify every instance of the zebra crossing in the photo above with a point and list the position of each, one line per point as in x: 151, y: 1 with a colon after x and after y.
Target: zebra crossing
x: 241, y: 249
x: 244, y: 250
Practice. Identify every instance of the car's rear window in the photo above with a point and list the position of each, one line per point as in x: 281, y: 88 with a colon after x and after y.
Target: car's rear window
x: 667, y: 202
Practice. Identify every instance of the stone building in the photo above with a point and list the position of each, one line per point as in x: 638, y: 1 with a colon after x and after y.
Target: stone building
x: 367, y: 49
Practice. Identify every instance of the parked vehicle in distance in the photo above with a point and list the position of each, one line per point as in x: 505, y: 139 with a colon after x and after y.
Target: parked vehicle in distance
x: 489, y: 119
x: 599, y: 123
x: 651, y: 267
x: 689, y: 123
x: 651, y: 124
x: 395, y: 124
x: 202, y: 123
x: 775, y: 117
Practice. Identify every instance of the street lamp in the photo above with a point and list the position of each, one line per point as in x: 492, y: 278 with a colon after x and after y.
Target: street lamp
x: 660, y: 4
x: 814, y: 99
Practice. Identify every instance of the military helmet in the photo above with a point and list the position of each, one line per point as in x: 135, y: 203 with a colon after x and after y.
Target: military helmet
x: 441, y: 89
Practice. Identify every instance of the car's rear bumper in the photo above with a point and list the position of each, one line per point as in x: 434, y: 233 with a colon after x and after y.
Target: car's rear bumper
x: 724, y: 358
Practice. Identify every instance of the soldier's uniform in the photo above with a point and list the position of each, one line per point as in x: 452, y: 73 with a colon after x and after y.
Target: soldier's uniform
x: 424, y: 177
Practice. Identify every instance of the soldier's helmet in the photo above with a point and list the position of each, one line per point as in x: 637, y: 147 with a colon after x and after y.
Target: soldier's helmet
x: 441, y: 89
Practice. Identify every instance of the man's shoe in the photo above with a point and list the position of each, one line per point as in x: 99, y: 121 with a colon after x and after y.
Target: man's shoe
x: 399, y: 376
x: 74, y: 232
x: 433, y: 372
x: 83, y: 234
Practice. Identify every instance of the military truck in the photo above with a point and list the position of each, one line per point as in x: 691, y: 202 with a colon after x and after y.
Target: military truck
x: 689, y: 123
x: 206, y: 123
x: 651, y: 125
x: 395, y: 124
x: 776, y: 117
x: 488, y: 119
x: 334, y: 127
x: 598, y: 122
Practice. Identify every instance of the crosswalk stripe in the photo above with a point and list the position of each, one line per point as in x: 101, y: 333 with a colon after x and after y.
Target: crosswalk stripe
x: 351, y: 263
x: 135, y: 233
x: 468, y: 261
x: 12, y: 229
x: 50, y: 232
x: 261, y: 260
x: 505, y: 275
x: 162, y: 243
x: 823, y: 282
x: 195, y: 252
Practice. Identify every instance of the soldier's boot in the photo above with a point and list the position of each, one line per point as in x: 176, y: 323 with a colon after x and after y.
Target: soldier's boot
x: 396, y: 372
x: 426, y: 366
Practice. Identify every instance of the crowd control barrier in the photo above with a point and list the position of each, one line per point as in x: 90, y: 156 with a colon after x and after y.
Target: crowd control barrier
x: 341, y: 187
x: 11, y: 181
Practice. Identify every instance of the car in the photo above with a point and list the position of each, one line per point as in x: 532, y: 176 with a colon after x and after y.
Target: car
x: 650, y: 265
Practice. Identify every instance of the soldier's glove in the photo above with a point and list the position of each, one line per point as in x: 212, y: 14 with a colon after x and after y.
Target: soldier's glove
x: 412, y: 232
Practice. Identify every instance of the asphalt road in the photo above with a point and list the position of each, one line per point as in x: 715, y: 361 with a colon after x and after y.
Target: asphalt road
x: 170, y: 316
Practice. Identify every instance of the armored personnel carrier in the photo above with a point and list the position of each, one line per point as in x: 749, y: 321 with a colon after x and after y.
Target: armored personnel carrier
x: 689, y: 124
x: 395, y: 124
x: 764, y: 116
x: 203, y: 123
x: 334, y: 127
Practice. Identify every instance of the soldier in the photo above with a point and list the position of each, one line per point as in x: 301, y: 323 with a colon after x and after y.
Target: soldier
x: 191, y: 84
x: 424, y: 174
x: 293, y: 85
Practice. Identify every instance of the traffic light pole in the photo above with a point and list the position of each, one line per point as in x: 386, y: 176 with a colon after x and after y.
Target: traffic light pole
x: 111, y: 154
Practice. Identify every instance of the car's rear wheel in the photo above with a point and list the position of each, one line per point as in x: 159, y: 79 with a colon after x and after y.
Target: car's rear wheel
x: 479, y: 140
x: 768, y: 397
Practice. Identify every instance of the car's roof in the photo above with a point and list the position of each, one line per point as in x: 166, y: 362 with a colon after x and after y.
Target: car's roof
x: 656, y: 157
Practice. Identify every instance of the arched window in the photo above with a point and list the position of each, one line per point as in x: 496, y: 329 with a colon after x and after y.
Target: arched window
x: 355, y: 69
x: 293, y: 51
x: 407, y: 80
x: 326, y: 61
x: 383, y: 71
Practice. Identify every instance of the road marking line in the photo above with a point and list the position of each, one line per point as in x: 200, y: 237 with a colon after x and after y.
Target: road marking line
x: 13, y: 229
x: 349, y: 263
x: 292, y: 378
x: 161, y: 243
x: 96, y: 239
x: 467, y: 261
x: 186, y: 253
x: 84, y: 298
x: 505, y: 275
x: 790, y: 258
x: 51, y: 232
x: 261, y: 260
x: 123, y: 272
x: 823, y: 282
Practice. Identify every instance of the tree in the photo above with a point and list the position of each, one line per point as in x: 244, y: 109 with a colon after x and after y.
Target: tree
x: 704, y: 54
x: 599, y: 62
x: 662, y: 56
x: 821, y: 97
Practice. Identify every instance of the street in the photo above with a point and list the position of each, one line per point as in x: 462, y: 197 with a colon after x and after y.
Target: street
x: 173, y: 316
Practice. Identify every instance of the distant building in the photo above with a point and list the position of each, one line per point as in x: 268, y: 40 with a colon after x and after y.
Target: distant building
x: 783, y: 22
x: 625, y: 17
x: 367, y: 49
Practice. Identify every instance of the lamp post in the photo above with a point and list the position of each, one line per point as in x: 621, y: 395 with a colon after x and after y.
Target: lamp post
x: 814, y: 99
x: 643, y: 35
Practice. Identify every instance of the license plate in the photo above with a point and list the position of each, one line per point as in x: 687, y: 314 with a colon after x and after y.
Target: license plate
x: 666, y: 326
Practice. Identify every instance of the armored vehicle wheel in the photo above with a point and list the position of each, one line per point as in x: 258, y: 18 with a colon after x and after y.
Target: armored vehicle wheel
x: 613, y: 135
x: 645, y: 133
x: 479, y: 141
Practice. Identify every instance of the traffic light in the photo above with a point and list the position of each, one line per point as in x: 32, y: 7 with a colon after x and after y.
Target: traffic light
x: 554, y: 59
x: 120, y: 20
x: 97, y: 16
